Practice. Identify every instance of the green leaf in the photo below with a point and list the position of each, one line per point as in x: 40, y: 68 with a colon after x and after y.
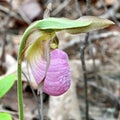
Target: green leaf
x: 6, y: 83
x: 5, y: 116
x: 84, y: 24
x: 60, y: 24
x: 96, y: 24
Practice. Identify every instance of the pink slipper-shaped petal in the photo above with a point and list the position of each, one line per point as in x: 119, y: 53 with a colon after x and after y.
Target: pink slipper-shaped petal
x: 58, y: 77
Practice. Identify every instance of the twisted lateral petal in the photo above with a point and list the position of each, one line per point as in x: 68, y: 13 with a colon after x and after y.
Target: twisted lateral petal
x: 58, y: 78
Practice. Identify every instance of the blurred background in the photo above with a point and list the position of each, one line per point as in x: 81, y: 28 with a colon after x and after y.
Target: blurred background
x: 102, y: 59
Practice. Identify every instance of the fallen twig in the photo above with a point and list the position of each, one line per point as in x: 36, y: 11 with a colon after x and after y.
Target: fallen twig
x: 93, y: 37
x: 60, y: 7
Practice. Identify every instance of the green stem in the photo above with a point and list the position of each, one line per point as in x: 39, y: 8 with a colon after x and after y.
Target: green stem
x: 20, y: 94
x: 19, y: 72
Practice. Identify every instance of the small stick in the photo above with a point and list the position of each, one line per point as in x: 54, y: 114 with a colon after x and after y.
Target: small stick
x: 41, y: 105
x: 47, y: 11
x: 82, y: 56
x: 78, y: 8
x: 82, y: 51
x: 60, y: 7
x: 29, y: 82
x: 88, y: 4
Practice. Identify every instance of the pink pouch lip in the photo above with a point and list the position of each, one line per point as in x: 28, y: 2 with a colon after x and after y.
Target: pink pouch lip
x: 58, y: 78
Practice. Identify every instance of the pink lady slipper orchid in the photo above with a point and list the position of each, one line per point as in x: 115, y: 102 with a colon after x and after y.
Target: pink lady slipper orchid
x: 49, y: 65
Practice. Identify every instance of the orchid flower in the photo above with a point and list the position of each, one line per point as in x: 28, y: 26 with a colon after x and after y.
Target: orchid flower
x: 49, y: 65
